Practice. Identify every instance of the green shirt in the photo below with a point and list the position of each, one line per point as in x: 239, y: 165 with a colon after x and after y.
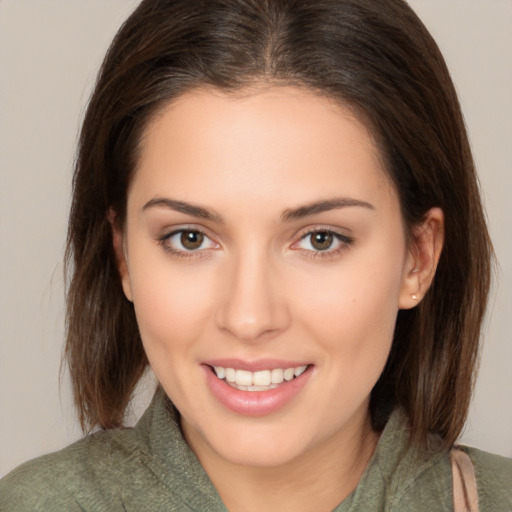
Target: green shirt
x: 151, y: 468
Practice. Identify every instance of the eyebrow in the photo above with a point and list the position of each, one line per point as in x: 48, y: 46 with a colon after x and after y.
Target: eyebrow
x: 322, y: 206
x: 186, y: 208
x: 287, y: 216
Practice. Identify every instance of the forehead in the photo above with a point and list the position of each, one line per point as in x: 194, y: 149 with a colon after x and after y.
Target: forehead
x: 285, y: 142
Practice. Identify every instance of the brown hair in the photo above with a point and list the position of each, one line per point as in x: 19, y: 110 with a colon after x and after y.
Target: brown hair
x: 373, y: 55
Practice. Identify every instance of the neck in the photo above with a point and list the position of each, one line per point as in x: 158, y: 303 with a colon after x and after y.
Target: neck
x: 316, y: 481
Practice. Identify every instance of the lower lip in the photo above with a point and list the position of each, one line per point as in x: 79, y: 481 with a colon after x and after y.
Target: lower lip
x: 255, y: 403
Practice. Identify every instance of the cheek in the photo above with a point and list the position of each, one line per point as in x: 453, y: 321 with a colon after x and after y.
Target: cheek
x: 357, y: 298
x: 355, y: 331
x: 352, y: 324
x: 351, y: 312
x: 171, y: 303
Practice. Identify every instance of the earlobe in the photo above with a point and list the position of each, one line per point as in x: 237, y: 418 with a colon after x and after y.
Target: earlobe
x: 422, y: 258
x: 118, y: 242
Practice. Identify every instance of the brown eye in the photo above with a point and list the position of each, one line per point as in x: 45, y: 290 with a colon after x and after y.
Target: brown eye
x: 321, y: 240
x: 323, y: 243
x: 191, y: 240
x: 187, y: 242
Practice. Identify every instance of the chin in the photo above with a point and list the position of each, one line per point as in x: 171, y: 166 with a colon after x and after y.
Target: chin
x: 272, y: 449
x: 259, y: 442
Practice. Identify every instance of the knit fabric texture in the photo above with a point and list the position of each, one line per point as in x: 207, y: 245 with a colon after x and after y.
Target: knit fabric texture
x: 151, y: 468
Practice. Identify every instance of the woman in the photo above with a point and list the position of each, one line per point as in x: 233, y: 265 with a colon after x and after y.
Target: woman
x: 275, y: 207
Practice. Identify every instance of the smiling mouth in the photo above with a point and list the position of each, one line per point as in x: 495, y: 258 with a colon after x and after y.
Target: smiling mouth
x: 262, y: 380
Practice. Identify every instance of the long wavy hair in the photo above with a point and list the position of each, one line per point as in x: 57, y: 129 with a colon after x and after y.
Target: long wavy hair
x: 374, y: 56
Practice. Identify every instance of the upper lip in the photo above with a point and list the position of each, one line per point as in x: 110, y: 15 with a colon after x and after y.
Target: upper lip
x: 255, y: 366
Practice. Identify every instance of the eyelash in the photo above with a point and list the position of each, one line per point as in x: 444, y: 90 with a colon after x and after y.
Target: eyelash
x: 179, y: 253
x: 344, y: 243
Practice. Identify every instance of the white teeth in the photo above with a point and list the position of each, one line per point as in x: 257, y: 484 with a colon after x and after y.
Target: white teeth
x: 243, y: 378
x: 252, y: 388
x: 288, y: 373
x: 230, y: 374
x: 258, y: 381
x: 276, y: 376
x: 299, y: 370
x: 261, y: 378
x: 221, y: 372
x: 261, y: 388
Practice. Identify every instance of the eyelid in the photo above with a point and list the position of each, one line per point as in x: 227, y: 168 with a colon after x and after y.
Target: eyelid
x: 336, y: 231
x: 163, y: 240
x: 345, y: 241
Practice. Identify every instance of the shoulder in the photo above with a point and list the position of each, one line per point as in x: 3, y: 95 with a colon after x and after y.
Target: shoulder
x: 93, y: 466
x: 431, y: 482
x: 420, y: 477
x: 494, y: 480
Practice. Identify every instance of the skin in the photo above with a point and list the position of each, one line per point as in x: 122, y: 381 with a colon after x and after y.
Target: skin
x: 258, y: 288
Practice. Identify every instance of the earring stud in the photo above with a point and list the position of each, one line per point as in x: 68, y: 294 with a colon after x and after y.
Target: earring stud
x: 414, y: 296
x: 414, y: 270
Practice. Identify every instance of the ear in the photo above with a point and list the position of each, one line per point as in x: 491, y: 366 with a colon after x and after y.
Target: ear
x: 118, y: 242
x: 422, y: 258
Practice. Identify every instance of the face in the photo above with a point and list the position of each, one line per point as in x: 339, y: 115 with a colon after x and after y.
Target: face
x: 264, y: 245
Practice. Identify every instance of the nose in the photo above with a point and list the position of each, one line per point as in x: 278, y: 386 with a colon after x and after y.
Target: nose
x: 253, y: 304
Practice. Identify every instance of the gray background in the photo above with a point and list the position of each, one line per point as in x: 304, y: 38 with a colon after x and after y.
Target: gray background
x: 49, y: 54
